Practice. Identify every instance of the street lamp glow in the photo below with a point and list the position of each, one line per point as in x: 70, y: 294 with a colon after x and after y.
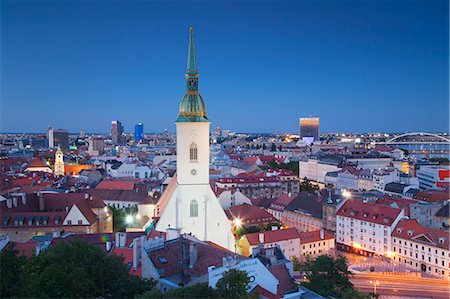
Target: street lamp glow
x: 129, y: 219
x: 237, y: 222
x: 356, y: 245
x: 346, y: 193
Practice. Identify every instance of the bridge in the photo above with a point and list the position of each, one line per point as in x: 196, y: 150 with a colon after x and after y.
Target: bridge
x: 422, y: 144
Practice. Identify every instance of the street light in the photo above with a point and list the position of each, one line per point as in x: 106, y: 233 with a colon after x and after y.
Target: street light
x: 375, y: 283
x: 346, y: 193
x: 129, y: 219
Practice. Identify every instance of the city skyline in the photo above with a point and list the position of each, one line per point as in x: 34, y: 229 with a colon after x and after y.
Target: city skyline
x: 108, y: 61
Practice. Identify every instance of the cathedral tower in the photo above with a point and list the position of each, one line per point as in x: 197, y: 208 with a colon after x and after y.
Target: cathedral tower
x: 192, y: 206
x: 59, y: 161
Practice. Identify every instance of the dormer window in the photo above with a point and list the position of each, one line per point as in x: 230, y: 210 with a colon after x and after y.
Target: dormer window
x: 442, y: 240
x: 399, y: 230
x: 410, y: 233
x: 193, y: 153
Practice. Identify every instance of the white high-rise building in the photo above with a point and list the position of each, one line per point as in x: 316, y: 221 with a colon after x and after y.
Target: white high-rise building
x: 188, y: 203
x: 51, y: 140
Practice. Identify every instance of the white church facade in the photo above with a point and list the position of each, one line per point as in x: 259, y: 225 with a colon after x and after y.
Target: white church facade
x: 189, y: 204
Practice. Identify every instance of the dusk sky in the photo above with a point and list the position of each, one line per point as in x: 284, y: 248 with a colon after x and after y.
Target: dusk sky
x: 363, y: 66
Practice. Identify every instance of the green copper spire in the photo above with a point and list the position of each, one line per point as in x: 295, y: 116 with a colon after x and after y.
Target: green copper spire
x: 191, y: 63
x: 192, y: 107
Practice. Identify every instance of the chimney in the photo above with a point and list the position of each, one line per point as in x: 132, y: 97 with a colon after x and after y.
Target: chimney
x: 192, y: 254
x: 172, y: 233
x: 122, y: 239
x: 108, y: 246
x: 41, y: 202
x: 261, y: 237
x: 15, y: 202
x: 9, y: 203
x: 86, y: 196
x: 322, y: 234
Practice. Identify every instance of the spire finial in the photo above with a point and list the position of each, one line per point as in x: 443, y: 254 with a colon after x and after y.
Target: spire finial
x: 191, y: 63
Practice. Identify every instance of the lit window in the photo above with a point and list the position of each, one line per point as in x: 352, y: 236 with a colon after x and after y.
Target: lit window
x: 194, y: 208
x: 193, y: 153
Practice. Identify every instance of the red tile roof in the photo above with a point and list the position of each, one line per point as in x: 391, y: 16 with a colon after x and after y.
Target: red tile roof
x: 432, y: 195
x: 115, y: 185
x: 168, y: 259
x: 273, y: 236
x: 412, y: 230
x: 369, y: 212
x: 402, y: 202
x: 250, y: 215
x: 314, y: 236
x: 36, y: 163
x: 286, y: 282
x: 25, y: 248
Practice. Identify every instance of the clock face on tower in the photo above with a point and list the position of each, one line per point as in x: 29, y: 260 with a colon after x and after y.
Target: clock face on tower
x: 193, y: 172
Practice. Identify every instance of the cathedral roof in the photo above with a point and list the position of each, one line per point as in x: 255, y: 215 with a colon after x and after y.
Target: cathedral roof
x: 192, y: 107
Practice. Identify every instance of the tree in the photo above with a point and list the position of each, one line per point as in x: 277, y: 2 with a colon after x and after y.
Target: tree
x: 200, y: 290
x: 77, y: 269
x: 13, y: 278
x: 234, y: 284
x: 264, y: 146
x: 306, y: 185
x: 329, y: 277
x: 273, y: 147
x: 296, y: 263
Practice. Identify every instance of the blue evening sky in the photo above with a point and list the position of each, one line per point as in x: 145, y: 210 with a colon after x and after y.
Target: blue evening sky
x: 361, y: 66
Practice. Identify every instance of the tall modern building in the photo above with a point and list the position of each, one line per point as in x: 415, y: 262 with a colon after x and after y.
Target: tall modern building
x: 61, y: 138
x: 188, y: 203
x: 138, y: 133
x: 309, y: 129
x: 117, y: 132
x: 50, y: 138
x: 96, y: 145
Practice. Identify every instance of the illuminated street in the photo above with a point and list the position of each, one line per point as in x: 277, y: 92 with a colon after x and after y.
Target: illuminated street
x: 402, y: 286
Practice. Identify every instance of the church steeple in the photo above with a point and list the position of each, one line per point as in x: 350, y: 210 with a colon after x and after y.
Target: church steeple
x: 191, y: 63
x: 192, y: 107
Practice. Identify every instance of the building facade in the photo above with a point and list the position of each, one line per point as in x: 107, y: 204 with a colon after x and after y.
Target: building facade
x: 366, y: 228
x: 138, y: 133
x: 117, y: 132
x: 309, y: 129
x: 421, y: 248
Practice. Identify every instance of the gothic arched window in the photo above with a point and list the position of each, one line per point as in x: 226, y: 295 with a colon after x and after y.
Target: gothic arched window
x: 193, y: 208
x: 193, y: 153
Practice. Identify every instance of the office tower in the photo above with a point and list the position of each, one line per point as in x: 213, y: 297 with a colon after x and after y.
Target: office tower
x: 309, y: 129
x: 117, y: 132
x: 51, y: 142
x: 139, y: 133
x: 96, y: 146
x: 61, y: 137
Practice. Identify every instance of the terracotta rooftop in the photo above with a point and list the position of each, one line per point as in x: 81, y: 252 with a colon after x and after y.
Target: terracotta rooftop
x: 115, y: 185
x: 250, y: 215
x: 314, y: 236
x: 369, y: 212
x: 412, y: 230
x: 273, y: 236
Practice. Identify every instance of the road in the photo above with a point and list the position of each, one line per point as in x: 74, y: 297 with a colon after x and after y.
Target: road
x: 402, y: 286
